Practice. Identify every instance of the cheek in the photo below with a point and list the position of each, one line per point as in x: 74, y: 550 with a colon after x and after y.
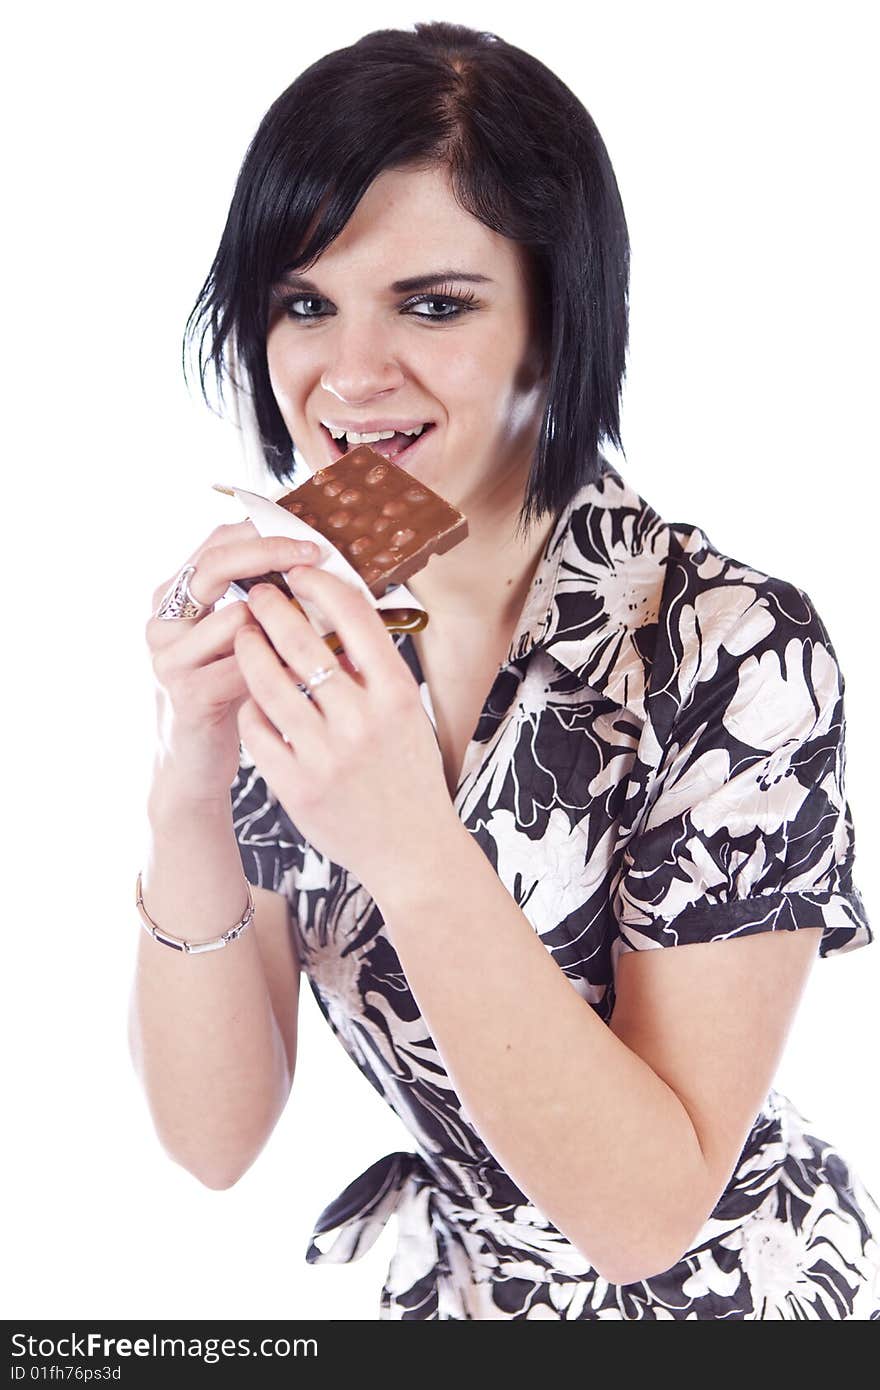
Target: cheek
x: 472, y: 374
x: 288, y: 366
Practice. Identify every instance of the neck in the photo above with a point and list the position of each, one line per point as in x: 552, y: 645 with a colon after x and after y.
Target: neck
x: 484, y: 580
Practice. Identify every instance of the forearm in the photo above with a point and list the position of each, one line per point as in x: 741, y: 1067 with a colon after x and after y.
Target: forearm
x: 203, y: 1035
x: 593, y: 1136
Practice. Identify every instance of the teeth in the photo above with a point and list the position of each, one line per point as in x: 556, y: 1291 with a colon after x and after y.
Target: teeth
x: 354, y: 438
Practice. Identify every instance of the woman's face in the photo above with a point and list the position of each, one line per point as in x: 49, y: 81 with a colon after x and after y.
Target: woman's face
x: 349, y: 350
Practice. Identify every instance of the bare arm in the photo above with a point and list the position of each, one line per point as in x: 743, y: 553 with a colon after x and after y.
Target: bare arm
x: 624, y: 1137
x: 212, y: 1036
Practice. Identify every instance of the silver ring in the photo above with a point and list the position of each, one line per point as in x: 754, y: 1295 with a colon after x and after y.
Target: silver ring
x: 317, y: 678
x: 178, y: 601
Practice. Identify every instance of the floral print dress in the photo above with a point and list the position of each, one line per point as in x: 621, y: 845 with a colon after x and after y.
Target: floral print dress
x: 660, y: 761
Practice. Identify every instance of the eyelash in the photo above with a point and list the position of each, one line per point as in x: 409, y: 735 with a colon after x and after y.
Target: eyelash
x: 464, y: 304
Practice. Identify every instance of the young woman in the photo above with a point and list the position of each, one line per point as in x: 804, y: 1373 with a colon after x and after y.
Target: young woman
x: 475, y: 841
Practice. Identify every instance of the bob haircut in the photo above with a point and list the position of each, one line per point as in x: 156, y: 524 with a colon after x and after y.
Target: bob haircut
x: 525, y: 158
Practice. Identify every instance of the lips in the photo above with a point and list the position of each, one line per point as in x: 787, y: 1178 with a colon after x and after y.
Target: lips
x: 388, y: 448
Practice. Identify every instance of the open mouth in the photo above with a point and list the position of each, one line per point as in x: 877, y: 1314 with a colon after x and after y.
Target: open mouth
x: 392, y: 449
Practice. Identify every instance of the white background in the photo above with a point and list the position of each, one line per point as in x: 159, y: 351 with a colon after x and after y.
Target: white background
x: 743, y: 137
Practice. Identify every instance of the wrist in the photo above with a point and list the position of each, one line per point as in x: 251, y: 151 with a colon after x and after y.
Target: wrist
x: 194, y: 945
x: 424, y: 870
x: 171, y: 796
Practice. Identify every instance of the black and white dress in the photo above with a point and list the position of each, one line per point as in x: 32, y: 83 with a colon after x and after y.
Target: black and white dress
x: 660, y: 761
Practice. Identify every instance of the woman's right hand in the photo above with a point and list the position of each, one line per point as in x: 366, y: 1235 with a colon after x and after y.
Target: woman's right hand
x: 199, y: 685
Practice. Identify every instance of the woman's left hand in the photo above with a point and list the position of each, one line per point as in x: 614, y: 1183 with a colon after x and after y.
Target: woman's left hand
x: 357, y: 767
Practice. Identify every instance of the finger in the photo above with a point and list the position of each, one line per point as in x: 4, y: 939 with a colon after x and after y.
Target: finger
x: 224, y: 681
x: 274, y: 689
x: 348, y: 665
x: 298, y: 644
x: 356, y: 622
x: 216, y: 686
x: 231, y: 531
x: 198, y: 643
x: 220, y: 564
x: 226, y: 556
x: 226, y: 531
x: 262, y: 740
x: 223, y: 534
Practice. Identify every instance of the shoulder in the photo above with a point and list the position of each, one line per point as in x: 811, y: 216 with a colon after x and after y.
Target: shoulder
x: 746, y: 700
x: 655, y: 614
x: 723, y: 620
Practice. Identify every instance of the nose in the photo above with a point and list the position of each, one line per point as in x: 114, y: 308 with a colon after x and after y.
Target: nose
x: 361, y: 365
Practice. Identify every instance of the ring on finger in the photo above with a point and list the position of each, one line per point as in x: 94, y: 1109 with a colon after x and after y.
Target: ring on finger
x: 323, y: 673
x: 179, y: 601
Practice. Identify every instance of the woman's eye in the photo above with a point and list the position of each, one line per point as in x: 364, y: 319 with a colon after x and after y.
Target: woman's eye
x: 311, y: 306
x: 293, y: 306
x: 447, y: 304
x: 456, y: 305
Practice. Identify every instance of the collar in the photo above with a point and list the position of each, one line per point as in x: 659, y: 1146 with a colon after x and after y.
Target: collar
x: 595, y: 596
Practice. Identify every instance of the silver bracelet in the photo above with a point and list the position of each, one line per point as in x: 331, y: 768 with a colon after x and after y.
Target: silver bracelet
x: 193, y: 947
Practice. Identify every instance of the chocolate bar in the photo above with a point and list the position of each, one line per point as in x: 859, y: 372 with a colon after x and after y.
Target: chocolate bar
x: 383, y: 520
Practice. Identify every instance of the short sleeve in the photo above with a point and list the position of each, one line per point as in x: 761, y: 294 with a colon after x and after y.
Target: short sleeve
x: 747, y: 826
x: 271, y: 851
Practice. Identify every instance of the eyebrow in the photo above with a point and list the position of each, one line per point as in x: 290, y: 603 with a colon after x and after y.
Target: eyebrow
x: 415, y: 282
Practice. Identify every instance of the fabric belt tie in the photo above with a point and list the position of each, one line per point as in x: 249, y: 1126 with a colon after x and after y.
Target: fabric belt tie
x: 360, y: 1212
x: 429, y: 1192
x: 449, y: 1214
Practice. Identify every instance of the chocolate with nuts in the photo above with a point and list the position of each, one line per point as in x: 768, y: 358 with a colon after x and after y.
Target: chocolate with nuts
x: 383, y: 520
